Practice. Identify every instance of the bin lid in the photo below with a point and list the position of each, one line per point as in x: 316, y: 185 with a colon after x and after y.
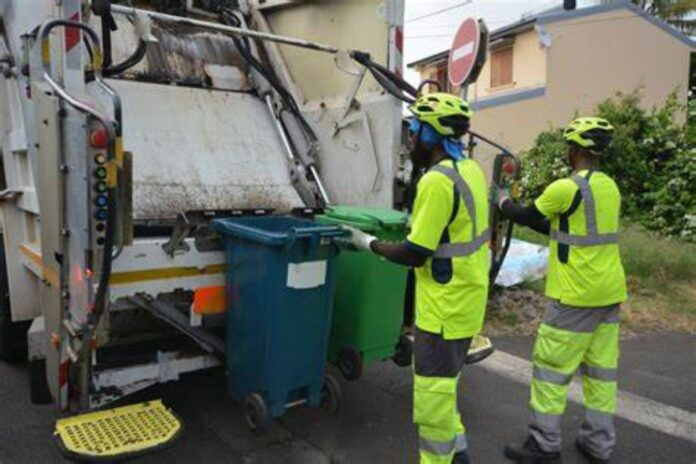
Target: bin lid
x: 274, y: 230
x: 366, y: 218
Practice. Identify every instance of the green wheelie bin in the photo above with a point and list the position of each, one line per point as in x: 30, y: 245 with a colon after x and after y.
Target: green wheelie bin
x: 369, y: 295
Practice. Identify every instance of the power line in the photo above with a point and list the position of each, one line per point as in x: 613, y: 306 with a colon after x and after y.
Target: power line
x: 458, y: 5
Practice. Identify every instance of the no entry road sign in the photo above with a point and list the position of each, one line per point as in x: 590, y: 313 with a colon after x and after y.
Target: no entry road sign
x: 464, y: 51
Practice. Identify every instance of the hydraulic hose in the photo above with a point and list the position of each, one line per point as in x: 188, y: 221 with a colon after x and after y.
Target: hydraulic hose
x: 228, y: 17
x: 122, y: 67
x: 113, y: 131
x: 390, y: 81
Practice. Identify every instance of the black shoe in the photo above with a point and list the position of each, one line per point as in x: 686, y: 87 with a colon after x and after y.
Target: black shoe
x: 461, y: 457
x: 531, y: 453
x: 588, y: 454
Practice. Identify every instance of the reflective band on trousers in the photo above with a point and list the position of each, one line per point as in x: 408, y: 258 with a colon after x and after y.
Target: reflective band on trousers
x: 592, y: 237
x: 438, y: 448
x: 461, y: 443
x: 452, y: 250
x: 547, y: 375
x: 599, y: 373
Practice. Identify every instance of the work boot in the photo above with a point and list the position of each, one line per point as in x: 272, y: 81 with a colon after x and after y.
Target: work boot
x: 588, y: 454
x: 531, y: 453
x: 461, y: 457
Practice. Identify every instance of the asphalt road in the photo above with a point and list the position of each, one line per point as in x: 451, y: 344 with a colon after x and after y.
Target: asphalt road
x: 374, y: 424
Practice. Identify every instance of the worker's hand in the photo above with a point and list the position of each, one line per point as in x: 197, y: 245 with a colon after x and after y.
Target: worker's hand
x: 358, y: 239
x: 499, y: 195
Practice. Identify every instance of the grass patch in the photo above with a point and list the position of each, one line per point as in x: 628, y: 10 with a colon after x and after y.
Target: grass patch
x: 660, y: 275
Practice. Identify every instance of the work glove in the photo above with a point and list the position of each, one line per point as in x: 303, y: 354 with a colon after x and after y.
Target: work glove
x: 358, y: 240
x: 499, y: 195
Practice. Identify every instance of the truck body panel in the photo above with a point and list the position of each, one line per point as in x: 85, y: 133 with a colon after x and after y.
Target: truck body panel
x: 206, y: 133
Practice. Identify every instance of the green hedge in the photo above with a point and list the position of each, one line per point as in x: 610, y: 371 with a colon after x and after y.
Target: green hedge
x: 652, y: 158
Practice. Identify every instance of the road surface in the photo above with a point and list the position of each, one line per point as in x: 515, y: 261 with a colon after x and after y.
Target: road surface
x: 657, y: 409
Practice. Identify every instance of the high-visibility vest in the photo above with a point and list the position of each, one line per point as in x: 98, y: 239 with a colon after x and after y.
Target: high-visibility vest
x: 478, y: 239
x: 586, y: 269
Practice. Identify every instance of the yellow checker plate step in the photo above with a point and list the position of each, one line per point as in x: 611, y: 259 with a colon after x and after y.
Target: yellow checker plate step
x: 118, y: 432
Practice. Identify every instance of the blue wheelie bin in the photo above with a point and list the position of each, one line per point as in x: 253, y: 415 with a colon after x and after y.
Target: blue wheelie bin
x: 280, y: 284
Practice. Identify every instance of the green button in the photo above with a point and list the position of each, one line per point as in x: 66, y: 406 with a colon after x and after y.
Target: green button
x: 100, y: 173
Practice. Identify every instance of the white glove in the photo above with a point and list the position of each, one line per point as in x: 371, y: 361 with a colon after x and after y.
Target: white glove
x: 359, y: 239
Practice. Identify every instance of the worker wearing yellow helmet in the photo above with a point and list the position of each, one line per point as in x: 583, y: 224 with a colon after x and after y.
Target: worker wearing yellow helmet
x: 448, y: 248
x: 586, y: 284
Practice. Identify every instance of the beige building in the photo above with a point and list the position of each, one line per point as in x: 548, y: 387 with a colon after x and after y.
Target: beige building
x: 543, y: 70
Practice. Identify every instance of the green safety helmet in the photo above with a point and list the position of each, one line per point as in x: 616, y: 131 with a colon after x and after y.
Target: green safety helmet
x: 593, y: 134
x: 448, y: 114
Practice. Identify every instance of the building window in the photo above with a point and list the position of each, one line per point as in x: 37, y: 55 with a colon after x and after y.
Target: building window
x: 501, y: 67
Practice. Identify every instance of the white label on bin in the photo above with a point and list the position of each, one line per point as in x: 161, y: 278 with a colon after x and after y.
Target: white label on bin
x: 307, y: 275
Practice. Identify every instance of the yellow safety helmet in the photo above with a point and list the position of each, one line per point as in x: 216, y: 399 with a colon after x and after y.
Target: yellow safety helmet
x: 448, y: 114
x: 591, y: 133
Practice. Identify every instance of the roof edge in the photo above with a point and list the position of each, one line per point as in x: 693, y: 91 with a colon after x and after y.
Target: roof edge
x: 559, y: 16
x: 429, y: 59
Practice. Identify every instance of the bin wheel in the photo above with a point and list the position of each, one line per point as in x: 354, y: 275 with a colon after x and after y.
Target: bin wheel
x: 256, y: 413
x: 331, y: 396
x: 350, y: 363
x: 404, y: 352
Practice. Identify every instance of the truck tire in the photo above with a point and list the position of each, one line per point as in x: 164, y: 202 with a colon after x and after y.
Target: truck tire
x: 13, y: 335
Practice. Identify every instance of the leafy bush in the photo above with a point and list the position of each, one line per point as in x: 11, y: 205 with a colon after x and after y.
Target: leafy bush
x: 652, y: 158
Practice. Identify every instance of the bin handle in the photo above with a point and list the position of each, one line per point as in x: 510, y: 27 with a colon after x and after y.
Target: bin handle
x: 314, y: 233
x: 330, y: 231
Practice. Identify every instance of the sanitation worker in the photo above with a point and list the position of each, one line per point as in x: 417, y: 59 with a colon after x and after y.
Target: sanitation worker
x: 586, y: 285
x: 448, y: 248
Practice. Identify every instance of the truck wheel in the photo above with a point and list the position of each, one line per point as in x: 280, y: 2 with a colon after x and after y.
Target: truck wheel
x: 13, y: 335
x: 256, y: 413
x: 350, y: 363
x: 38, y: 385
x: 404, y: 352
x: 331, y: 396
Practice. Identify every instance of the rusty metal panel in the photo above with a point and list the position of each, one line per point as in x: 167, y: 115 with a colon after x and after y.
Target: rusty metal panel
x: 197, y: 149
x: 180, y: 53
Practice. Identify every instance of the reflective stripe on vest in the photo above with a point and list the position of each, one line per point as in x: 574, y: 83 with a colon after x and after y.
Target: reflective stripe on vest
x: 451, y: 250
x: 592, y: 237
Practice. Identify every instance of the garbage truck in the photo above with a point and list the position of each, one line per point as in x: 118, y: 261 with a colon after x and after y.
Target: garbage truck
x: 128, y: 127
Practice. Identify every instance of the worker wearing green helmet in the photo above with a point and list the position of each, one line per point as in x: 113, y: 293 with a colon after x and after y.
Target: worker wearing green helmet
x: 586, y: 285
x: 448, y: 248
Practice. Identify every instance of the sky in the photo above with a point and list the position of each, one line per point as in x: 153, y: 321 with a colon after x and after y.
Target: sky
x: 427, y: 36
